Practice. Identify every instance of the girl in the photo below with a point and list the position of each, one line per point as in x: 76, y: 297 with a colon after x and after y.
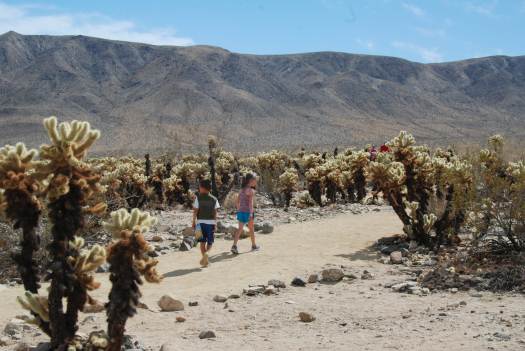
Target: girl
x: 245, y: 212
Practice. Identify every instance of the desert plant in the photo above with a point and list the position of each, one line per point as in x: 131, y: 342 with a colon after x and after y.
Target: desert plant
x: 412, y: 182
x: 128, y: 260
x: 499, y: 211
x: 21, y: 205
x: 70, y: 185
x: 288, y: 184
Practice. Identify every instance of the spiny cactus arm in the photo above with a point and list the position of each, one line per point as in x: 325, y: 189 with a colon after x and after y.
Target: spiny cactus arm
x: 122, y: 220
x: 34, y: 303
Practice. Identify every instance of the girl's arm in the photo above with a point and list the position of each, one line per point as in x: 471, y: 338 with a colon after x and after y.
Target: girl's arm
x: 238, y: 201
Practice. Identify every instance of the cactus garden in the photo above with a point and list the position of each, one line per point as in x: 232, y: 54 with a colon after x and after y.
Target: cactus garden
x: 81, y: 235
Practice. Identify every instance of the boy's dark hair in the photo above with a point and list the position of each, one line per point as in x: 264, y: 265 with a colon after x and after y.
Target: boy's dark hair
x: 206, y: 184
x: 246, y: 179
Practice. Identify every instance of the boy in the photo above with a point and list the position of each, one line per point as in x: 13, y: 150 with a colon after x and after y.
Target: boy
x: 205, y: 216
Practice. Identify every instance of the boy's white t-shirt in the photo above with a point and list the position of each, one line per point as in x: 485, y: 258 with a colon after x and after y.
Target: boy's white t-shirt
x: 205, y: 221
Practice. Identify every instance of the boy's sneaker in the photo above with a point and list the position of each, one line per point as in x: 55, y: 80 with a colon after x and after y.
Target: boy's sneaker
x: 255, y: 248
x: 234, y: 250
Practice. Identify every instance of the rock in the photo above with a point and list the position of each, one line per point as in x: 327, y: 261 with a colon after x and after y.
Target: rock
x: 188, y: 232
x: 412, y: 246
x: 267, y: 228
x: 169, y: 304
x: 180, y: 319
x: 103, y: 268
x: 187, y: 243
x: 501, y: 336
x: 142, y: 306
x: 257, y: 226
x: 269, y: 290
x: 234, y: 296
x: 220, y: 227
x: 254, y: 290
x: 95, y: 307
x: 403, y: 287
x: 168, y: 347
x: 367, y: 275
x: 22, y: 347
x: 332, y: 275
x: 157, y: 239
x: 313, y: 278
x: 15, y: 326
x: 207, y: 334
x: 396, y: 257
x: 4, y: 341
x: 298, y: 282
x: 277, y: 283
x: 306, y: 317
x: 220, y: 298
x: 193, y: 303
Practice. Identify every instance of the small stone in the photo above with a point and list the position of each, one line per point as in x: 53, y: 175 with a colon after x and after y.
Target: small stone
x: 169, y: 304
x: 306, y: 317
x: 143, y: 306
x: 396, y: 257
x: 188, y: 231
x: 14, y: 326
x: 95, y: 307
x: 103, y: 268
x: 463, y: 303
x: 253, y: 290
x: 22, y: 347
x: 157, y: 239
x: 367, y: 275
x: 219, y: 298
x: 180, y: 319
x: 332, y: 275
x: 267, y: 227
x: 4, y: 341
x: 193, y: 303
x: 207, y: 334
x: 277, y: 283
x: 234, y: 296
x: 269, y: 290
x: 298, y: 282
x: 167, y: 347
x: 313, y: 278
x: 453, y: 290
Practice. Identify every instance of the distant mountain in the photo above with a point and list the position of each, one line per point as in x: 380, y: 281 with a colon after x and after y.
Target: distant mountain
x: 146, y: 97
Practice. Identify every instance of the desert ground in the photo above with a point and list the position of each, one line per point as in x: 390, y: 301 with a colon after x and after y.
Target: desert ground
x: 361, y: 312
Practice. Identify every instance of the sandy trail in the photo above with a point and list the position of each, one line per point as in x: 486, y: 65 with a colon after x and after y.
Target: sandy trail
x: 360, y: 314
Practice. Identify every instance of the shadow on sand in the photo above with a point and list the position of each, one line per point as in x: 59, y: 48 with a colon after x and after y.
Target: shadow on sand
x: 181, y: 272
x: 368, y: 254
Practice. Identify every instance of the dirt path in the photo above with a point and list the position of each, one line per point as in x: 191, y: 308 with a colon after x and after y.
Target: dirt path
x: 360, y: 315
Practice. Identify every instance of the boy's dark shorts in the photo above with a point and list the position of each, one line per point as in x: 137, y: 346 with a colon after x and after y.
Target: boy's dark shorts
x: 208, y: 233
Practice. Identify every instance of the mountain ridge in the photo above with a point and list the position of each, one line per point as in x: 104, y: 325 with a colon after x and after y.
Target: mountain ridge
x: 147, y: 97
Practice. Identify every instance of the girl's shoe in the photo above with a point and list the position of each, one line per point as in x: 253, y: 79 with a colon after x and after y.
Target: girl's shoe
x: 255, y: 248
x: 234, y: 250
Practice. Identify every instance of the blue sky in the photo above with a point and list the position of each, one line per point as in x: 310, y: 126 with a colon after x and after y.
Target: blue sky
x: 423, y: 31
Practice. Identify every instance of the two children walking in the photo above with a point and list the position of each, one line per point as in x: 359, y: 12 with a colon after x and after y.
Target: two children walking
x: 205, y: 209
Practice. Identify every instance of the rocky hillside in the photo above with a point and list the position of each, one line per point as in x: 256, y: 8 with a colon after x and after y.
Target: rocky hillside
x: 159, y: 97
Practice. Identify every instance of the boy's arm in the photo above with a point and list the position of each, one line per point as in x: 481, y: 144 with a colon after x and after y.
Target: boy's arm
x: 194, y: 220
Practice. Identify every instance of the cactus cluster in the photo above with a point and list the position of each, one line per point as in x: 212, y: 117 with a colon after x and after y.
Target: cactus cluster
x: 499, y: 206
x: 58, y: 178
x: 428, y: 192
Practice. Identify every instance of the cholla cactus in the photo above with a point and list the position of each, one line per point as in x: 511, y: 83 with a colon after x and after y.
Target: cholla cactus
x: 20, y: 204
x: 270, y: 165
x: 428, y: 194
x: 128, y: 258
x: 70, y: 187
x: 173, y: 190
x: 499, y: 208
x: 288, y: 184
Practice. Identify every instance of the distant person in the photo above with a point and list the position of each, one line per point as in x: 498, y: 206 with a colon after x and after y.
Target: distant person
x: 373, y: 153
x: 245, y: 211
x: 205, y: 209
x: 384, y: 148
